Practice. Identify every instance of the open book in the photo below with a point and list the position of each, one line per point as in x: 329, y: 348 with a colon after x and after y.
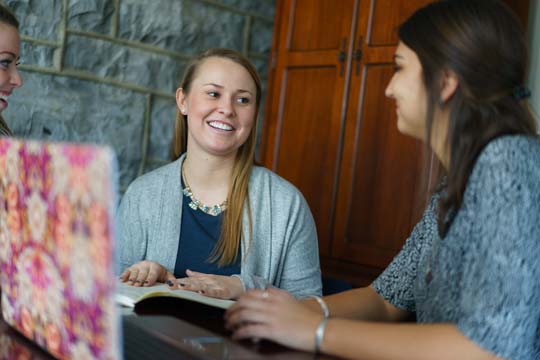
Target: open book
x: 128, y: 296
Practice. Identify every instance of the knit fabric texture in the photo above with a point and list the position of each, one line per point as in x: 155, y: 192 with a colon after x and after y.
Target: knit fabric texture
x: 484, y: 275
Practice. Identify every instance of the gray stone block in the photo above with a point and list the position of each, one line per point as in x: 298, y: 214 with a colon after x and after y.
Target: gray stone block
x: 60, y: 108
x: 38, y: 19
x: 261, y: 66
x: 65, y: 108
x: 91, y: 15
x: 37, y: 54
x: 262, y: 7
x: 161, y: 128
x: 260, y: 37
x: 122, y: 63
x: 188, y: 27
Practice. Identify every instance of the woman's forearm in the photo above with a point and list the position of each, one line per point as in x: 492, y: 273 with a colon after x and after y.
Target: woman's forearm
x: 369, y: 340
x: 360, y: 304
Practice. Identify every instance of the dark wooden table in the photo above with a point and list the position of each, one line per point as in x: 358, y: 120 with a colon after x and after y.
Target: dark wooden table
x: 189, y: 331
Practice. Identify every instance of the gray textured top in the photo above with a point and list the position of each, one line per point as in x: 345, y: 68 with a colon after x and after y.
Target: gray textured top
x: 484, y: 275
x: 283, y: 251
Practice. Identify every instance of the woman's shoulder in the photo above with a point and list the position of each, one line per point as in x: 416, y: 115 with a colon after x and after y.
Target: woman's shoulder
x: 512, y: 150
x: 262, y: 178
x: 266, y: 185
x: 506, y: 163
x: 155, y: 179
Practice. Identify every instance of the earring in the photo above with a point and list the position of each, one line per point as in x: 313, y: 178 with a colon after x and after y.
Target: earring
x: 183, y: 111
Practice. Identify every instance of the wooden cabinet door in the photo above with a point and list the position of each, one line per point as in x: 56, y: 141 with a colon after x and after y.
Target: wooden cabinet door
x: 382, y: 176
x: 307, y: 109
x: 330, y: 130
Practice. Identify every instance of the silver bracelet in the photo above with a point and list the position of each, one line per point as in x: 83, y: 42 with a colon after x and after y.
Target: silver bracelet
x: 322, y: 304
x: 319, y: 334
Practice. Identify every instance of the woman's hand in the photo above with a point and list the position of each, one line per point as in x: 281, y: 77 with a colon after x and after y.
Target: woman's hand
x: 217, y: 286
x: 146, y: 273
x: 275, y: 315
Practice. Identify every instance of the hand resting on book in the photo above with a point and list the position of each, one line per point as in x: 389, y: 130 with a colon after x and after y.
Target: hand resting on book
x: 217, y: 286
x: 146, y: 273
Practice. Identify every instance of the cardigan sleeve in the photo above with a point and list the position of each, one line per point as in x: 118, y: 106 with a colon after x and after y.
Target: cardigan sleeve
x: 500, y: 288
x: 299, y: 271
x: 283, y: 251
x: 131, y: 232
x: 301, y: 274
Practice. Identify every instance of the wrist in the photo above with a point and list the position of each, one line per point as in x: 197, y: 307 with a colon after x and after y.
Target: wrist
x: 238, y: 286
x: 322, y: 304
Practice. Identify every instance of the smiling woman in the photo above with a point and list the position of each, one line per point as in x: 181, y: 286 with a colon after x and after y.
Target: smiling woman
x: 9, y: 58
x: 212, y: 214
x: 220, y: 107
x: 468, y: 274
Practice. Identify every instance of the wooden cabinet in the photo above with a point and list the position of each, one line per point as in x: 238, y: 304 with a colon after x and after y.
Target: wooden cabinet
x: 330, y: 130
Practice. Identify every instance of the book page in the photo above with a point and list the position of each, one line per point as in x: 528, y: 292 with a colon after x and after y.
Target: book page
x: 129, y: 295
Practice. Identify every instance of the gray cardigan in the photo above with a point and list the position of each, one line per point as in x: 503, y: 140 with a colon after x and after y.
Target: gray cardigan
x: 283, y: 251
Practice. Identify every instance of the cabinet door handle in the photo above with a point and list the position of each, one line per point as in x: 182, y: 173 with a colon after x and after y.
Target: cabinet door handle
x: 342, y: 56
x: 358, y: 54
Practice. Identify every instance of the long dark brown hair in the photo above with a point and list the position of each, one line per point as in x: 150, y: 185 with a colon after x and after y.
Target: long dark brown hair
x: 226, y: 249
x: 7, y: 18
x: 482, y: 42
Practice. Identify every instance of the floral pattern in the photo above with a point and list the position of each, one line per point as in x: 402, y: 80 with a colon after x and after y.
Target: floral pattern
x: 56, y: 246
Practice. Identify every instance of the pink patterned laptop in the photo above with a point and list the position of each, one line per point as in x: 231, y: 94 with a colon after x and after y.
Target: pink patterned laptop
x: 56, y: 246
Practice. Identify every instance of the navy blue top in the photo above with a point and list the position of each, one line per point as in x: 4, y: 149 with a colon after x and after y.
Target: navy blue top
x: 199, y: 235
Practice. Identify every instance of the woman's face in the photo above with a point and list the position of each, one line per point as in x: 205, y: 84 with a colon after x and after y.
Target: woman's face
x: 9, y: 57
x: 407, y: 88
x: 220, y: 107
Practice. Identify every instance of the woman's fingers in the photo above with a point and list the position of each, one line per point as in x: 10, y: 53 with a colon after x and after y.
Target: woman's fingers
x: 189, y: 284
x: 217, y: 286
x: 248, y: 316
x: 252, y: 331
x: 171, y: 280
x: 152, y: 276
x: 133, y: 273
x: 144, y: 273
x: 197, y: 283
x: 253, y: 308
x: 141, y: 276
x: 191, y: 273
x: 125, y: 275
x: 275, y: 315
x: 208, y: 285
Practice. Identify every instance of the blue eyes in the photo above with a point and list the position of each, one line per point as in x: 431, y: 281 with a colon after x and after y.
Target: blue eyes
x: 5, y: 63
x: 239, y: 100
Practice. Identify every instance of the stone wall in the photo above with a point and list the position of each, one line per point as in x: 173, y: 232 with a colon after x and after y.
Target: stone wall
x: 105, y: 71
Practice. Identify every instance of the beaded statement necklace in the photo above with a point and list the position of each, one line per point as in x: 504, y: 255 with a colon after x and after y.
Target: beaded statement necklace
x: 195, y: 204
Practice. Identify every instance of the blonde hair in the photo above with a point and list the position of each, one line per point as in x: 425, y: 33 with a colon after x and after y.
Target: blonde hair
x: 226, y: 250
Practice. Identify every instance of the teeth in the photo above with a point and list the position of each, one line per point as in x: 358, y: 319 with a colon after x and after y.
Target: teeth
x: 220, y: 125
